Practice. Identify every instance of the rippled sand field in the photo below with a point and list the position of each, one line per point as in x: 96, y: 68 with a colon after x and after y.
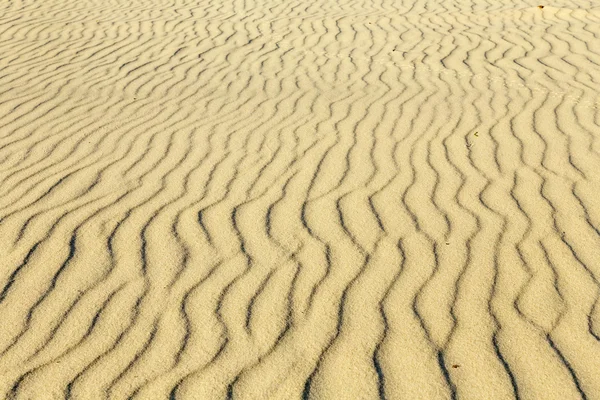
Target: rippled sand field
x: 290, y: 199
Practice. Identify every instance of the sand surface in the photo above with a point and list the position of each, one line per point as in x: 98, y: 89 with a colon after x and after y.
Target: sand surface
x: 289, y: 199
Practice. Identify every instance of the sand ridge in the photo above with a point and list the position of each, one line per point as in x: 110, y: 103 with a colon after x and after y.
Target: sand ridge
x: 299, y: 200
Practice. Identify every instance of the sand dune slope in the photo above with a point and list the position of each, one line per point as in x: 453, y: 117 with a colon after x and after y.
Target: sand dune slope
x: 370, y: 199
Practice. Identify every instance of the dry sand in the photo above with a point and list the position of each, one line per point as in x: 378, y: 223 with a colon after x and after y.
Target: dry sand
x: 377, y: 199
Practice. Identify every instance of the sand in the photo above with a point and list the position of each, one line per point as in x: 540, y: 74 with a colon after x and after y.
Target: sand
x: 377, y: 199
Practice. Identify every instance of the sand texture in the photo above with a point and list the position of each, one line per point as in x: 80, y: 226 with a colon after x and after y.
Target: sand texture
x: 290, y: 199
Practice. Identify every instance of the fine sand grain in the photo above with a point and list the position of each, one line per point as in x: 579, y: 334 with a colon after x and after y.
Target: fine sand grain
x: 289, y: 199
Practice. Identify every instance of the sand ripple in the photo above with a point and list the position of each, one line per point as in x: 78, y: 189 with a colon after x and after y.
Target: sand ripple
x: 283, y: 199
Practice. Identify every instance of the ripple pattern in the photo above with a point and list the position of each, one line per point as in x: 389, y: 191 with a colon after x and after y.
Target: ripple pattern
x: 355, y: 199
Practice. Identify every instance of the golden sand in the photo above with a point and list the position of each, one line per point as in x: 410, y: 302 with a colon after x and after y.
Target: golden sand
x: 284, y: 199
